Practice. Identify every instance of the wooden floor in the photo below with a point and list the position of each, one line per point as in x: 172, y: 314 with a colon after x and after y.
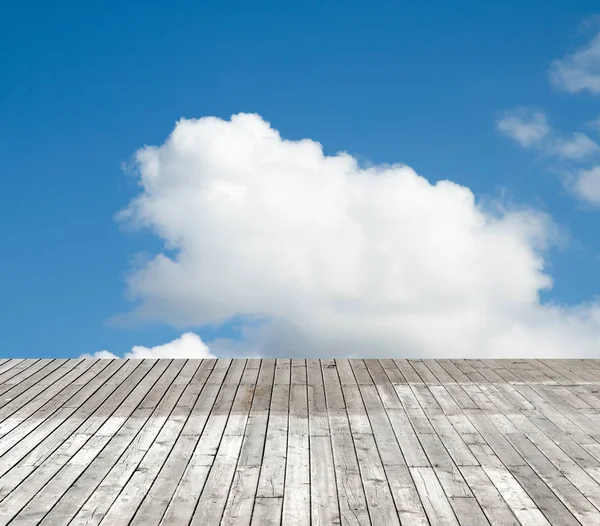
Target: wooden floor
x: 260, y: 442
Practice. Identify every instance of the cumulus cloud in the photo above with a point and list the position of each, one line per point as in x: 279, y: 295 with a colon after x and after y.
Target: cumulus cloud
x: 580, y: 70
x: 319, y: 256
x: 188, y: 345
x: 529, y: 127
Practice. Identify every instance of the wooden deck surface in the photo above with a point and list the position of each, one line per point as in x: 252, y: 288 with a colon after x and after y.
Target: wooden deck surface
x: 300, y: 442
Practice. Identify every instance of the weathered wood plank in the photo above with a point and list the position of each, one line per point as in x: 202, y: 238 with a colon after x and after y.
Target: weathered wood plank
x: 296, y: 499
x: 300, y: 441
x: 52, y: 462
x: 350, y: 497
x: 92, y: 511
x: 61, y: 495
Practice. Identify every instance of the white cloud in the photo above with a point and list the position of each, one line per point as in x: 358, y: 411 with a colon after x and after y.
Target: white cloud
x: 579, y: 71
x: 587, y: 185
x: 188, y: 345
x: 578, y: 147
x: 527, y: 126
x: 322, y: 257
x: 595, y: 124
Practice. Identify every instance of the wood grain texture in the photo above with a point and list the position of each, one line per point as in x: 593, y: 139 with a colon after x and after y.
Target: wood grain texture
x: 300, y: 442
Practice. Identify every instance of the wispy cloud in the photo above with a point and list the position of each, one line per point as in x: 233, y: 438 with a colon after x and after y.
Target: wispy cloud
x: 577, y: 147
x: 587, y: 185
x: 574, y: 156
x: 528, y: 126
x: 580, y: 70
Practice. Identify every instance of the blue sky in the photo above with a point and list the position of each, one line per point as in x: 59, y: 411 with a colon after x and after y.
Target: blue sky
x: 83, y: 89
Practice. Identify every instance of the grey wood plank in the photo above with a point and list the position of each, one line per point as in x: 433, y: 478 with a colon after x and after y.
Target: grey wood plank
x: 439, y: 372
x: 215, y: 495
x: 380, y: 502
x: 454, y: 372
x: 518, y: 464
x: 471, y: 372
x: 446, y: 470
x: 405, y: 496
x: 468, y: 512
x: 385, y: 388
x: 569, y: 371
x: 532, y: 368
x: 324, y: 501
x: 247, y: 474
x: 558, y: 411
x: 296, y: 499
x: 407, y: 438
x: 240, y: 441
x: 267, y: 511
x: 283, y: 370
x: 317, y: 405
x: 360, y: 371
x: 345, y: 371
x: 139, y: 486
x: 493, y: 505
x: 216, y: 452
x: 66, y: 475
x: 350, y: 497
x: 35, y: 447
x: 256, y: 429
x: 60, y: 454
x: 408, y: 372
x: 567, y: 493
x: 501, y: 371
x: 298, y: 372
x: 424, y: 372
x: 242, y: 497
x: 392, y: 372
x: 498, y: 443
x: 582, y: 468
x: 11, y: 375
x: 546, y: 501
x: 518, y: 369
x: 551, y: 372
x: 519, y: 501
x: 414, y: 410
x: 460, y: 396
x: 35, y: 384
x: 210, y: 505
x: 19, y: 382
x: 334, y: 396
x: 272, y: 472
x: 446, y: 401
x: 157, y: 497
x: 88, y: 500
x: 383, y: 432
x: 457, y: 449
x: 9, y: 364
x: 17, y: 411
x: 33, y: 367
x: 489, y: 373
x: 436, y: 504
x: 205, y: 405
